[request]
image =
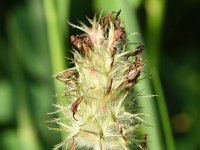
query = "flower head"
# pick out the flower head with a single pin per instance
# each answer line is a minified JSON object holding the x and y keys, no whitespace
{"x":98,"y":115}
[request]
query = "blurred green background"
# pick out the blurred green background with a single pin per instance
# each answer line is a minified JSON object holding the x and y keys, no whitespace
{"x":34,"y":44}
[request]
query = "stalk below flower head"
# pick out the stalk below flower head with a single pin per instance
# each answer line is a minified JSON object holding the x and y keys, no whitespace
{"x":99,"y":115}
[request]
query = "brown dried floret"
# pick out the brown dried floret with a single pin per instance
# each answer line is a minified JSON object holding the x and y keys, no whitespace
{"x":75,"y":105}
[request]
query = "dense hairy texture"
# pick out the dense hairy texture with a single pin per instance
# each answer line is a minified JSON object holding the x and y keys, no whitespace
{"x":100,"y":115}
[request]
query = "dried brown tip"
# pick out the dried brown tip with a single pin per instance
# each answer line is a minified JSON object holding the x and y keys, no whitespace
{"x":107,"y":18}
{"x":133,"y":72}
{"x":109,"y":87}
{"x":82,"y":42}
{"x":120,"y":128}
{"x":118,"y":13}
{"x":144,"y":142}
{"x":72,"y":145}
{"x":65,"y":74}
{"x":75,"y":105}
{"x":119,"y":31}
{"x":138,"y":50}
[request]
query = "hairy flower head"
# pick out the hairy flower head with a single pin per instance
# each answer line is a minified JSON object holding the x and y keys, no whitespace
{"x":99,"y":113}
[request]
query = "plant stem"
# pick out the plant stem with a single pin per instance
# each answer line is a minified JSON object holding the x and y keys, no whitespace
{"x":55,"y":45}
{"x":155,"y":19}
{"x":56,"y":36}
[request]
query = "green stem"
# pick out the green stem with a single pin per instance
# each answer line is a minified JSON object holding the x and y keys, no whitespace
{"x":163,"y":110}
{"x":63,"y":9}
{"x":55,"y":41}
{"x":155,"y":18}
{"x":56,"y":37}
